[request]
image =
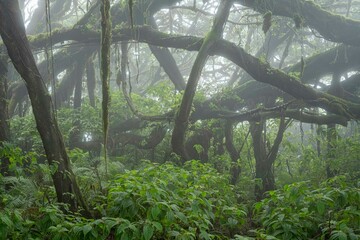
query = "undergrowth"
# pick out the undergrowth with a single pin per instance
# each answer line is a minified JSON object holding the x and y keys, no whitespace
{"x":164,"y":201}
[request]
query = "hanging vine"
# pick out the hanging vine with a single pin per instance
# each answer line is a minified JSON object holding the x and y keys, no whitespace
{"x":50,"y":59}
{"x":105,"y":70}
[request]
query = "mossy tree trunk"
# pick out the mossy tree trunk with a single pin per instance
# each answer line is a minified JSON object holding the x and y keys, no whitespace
{"x":75,"y":135}
{"x":234,"y":154}
{"x":182,"y":117}
{"x":331,"y":138}
{"x":12,"y":31}
{"x":4,"y":117}
{"x":105,"y":69}
{"x":265,"y":156}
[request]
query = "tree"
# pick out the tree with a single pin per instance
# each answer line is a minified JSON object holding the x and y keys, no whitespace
{"x":4,"y":117}
{"x":276,"y":71}
{"x":18,"y":48}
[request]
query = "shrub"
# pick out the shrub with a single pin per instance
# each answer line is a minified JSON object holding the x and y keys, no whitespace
{"x":302,"y":211}
{"x":165,"y":201}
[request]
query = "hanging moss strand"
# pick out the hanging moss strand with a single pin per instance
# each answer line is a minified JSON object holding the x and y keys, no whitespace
{"x":105,"y":70}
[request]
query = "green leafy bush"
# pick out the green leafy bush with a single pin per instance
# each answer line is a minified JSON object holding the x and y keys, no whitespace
{"x":165,"y":201}
{"x":301,"y":211}
{"x":155,"y":202}
{"x":50,"y":222}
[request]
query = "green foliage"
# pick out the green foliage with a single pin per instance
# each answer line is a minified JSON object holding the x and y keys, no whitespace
{"x":24,"y":133}
{"x":194,"y":202}
{"x":17,"y":158}
{"x":154,"y":202}
{"x":50,"y":222}
{"x":346,"y":155}
{"x":302,"y":211}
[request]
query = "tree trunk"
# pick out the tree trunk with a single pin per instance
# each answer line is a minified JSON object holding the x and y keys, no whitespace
{"x":234,"y":154}
{"x":4,"y":117}
{"x":182,"y":116}
{"x":265,"y":159}
{"x":331,"y":138}
{"x":91,"y":82}
{"x":13,"y":34}
{"x":263,"y":168}
{"x":75,"y":134}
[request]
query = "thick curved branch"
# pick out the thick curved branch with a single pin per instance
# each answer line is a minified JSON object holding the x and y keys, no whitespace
{"x":167,"y":62}
{"x":332,"y":27}
{"x":340,"y":59}
{"x":297,"y":114}
{"x":144,"y":142}
{"x":182,"y":117}
{"x":259,"y":70}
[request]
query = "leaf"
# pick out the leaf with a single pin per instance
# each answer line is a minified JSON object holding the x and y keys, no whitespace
{"x":110,"y":223}
{"x":158,"y":226}
{"x":232,"y":221}
{"x":124,"y":236}
{"x":5,"y":219}
{"x":148,"y":231}
{"x":53,"y":217}
{"x":204,"y":235}
{"x":338,"y":235}
{"x":86,"y":229}
{"x":77,"y":229}
{"x":281,"y":217}
{"x":169,"y":216}
{"x":174,"y":233}
{"x":182,"y":217}
{"x":155,"y":211}
{"x":320,"y":206}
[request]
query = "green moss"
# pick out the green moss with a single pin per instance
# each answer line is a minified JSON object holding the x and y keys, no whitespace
{"x":298,"y":20}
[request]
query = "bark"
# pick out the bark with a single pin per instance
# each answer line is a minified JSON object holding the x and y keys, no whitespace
{"x":18,"y":48}
{"x":263,"y":169}
{"x":259,"y":70}
{"x":351,"y":84}
{"x":64,"y":60}
{"x":332,"y":27}
{"x":234,"y":154}
{"x":182,"y":116}
{"x":341,"y":59}
{"x":4,"y":116}
{"x":105,"y":71}
{"x":331,"y":138}
{"x":201,"y":138}
{"x":75,"y":134}
{"x":331,"y":133}
{"x":73,"y":75}
{"x":17,"y":93}
{"x":124,"y":63}
{"x":37,"y":22}
{"x":143,"y":142}
{"x":91,"y":81}
{"x":167,"y":62}
{"x":265,"y":159}
{"x":66,"y":88}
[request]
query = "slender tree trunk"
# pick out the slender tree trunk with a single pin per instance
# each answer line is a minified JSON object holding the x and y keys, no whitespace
{"x":263,"y":168}
{"x":234,"y":154}
{"x":75,"y":134}
{"x":12,"y":31}
{"x":182,"y":116}
{"x":4,"y":116}
{"x":265,"y":159}
{"x":331,"y":137}
{"x":91,"y":81}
